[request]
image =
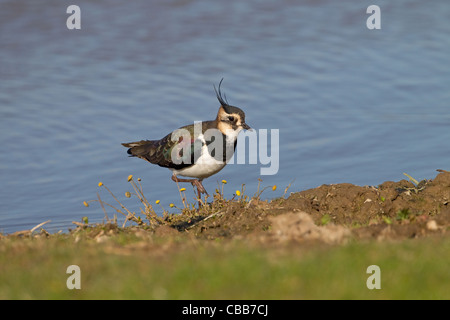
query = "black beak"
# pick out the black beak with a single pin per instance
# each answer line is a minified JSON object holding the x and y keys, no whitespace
{"x":246,"y":126}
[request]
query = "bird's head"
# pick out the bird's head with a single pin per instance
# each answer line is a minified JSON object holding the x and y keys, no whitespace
{"x":229,"y":117}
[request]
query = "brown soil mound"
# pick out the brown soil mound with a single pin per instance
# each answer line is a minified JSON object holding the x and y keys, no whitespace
{"x":335,"y":213}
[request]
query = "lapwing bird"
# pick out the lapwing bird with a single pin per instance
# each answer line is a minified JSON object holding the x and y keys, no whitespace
{"x":198,"y":150}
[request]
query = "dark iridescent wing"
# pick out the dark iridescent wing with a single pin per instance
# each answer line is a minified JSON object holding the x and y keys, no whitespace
{"x":177,"y":150}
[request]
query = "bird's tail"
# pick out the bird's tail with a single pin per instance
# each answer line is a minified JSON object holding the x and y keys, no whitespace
{"x":139,"y":148}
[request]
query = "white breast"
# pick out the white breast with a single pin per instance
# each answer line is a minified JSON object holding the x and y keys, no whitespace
{"x":205,"y":165}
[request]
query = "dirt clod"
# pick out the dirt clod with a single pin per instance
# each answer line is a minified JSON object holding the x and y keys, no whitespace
{"x":299,"y":226}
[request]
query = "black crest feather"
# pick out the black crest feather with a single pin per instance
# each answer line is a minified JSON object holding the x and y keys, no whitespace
{"x":222,"y":99}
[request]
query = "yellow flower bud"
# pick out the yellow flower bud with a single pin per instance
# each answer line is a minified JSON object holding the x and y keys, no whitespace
{"x":183,"y":189}
{"x":171,"y":205}
{"x":157,"y":201}
{"x":86,"y":204}
{"x":130,"y":177}
{"x":224,"y":181}
{"x":238,"y":193}
{"x":128,"y":194}
{"x":100,"y":184}
{"x":274,"y":188}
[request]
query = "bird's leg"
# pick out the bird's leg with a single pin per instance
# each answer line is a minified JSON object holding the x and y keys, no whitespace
{"x":199,"y":197}
{"x":200,"y":189}
{"x":195,"y":182}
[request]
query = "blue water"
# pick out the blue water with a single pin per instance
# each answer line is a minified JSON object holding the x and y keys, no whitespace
{"x":352,"y":104}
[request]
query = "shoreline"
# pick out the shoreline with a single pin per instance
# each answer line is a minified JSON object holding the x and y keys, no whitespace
{"x":403,"y":209}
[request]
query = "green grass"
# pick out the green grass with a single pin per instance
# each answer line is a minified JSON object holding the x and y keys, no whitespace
{"x":36,"y":269}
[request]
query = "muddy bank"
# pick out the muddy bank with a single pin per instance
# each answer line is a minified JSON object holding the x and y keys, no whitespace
{"x":331,"y":214}
{"x":337,"y":213}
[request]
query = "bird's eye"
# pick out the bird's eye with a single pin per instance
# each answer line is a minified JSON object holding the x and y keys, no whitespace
{"x":231,"y":118}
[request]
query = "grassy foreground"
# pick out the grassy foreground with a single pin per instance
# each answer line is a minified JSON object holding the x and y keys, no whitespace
{"x":126,"y":267}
